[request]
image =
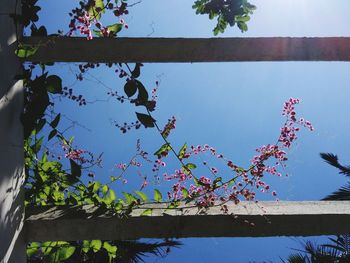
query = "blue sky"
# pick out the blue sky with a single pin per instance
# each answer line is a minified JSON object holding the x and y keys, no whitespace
{"x":235,"y":107}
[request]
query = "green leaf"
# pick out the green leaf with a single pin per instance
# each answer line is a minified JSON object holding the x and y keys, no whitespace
{"x":94,"y":186}
{"x":94,"y":11}
{"x":46,"y":247}
{"x":157,"y":196}
{"x":53,"y":167}
{"x":55,"y":122}
{"x":242,"y":18}
{"x":113,"y":178}
{"x":188,"y":167}
{"x":37,"y":146}
{"x":129,"y":198}
{"x":63,"y":253}
{"x":39,"y":32}
{"x":44,"y":158}
{"x":110,"y":197}
{"x":136,"y":72}
{"x":163,"y":150}
{"x":217,"y":180}
{"x":146,"y":120}
{"x":33,"y":249}
{"x":25,"y":51}
{"x":40,"y":125}
{"x":130,"y":88}
{"x":75,"y":169}
{"x":58,"y":196}
{"x":86,"y":246}
{"x":173,"y":205}
{"x":112,"y":250}
{"x":242,"y":26}
{"x":52,"y":134}
{"x":97,"y":33}
{"x":142,"y":96}
{"x":185,"y":192}
{"x":96,"y":245}
{"x":231,"y":182}
{"x":105,"y":189}
{"x":191,"y":166}
{"x":241,"y":169}
{"x":147,"y":212}
{"x":142,"y":195}
{"x":54,"y":84}
{"x":182,"y":151}
{"x":115,"y":28}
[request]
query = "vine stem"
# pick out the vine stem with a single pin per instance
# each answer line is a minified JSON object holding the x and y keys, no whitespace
{"x":171,"y":147}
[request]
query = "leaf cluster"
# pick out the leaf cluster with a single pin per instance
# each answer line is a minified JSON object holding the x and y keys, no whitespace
{"x":227,"y":13}
{"x":337,"y":251}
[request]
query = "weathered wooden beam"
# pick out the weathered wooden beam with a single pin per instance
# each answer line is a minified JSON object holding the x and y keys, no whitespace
{"x":108,"y":50}
{"x":269,"y":219}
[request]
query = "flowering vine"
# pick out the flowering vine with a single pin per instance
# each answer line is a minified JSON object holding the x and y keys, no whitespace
{"x":50,"y":182}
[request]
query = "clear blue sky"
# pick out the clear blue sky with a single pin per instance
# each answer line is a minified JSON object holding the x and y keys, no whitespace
{"x":233,"y":106}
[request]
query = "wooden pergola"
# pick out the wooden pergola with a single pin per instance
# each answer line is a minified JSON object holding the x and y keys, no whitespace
{"x":76,"y":223}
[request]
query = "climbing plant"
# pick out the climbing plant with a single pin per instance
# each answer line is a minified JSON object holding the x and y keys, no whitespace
{"x":66,"y":176}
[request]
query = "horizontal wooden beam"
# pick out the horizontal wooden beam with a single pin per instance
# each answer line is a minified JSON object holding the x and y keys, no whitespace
{"x":110,"y":50}
{"x":247,"y":219}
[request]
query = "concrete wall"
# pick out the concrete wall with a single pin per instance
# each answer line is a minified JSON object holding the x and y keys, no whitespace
{"x":12,"y":246}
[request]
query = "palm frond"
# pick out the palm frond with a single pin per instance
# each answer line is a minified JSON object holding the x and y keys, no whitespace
{"x":297,"y":258}
{"x":135,"y":251}
{"x":332,"y":159}
{"x":319,"y":253}
{"x":342,"y":194}
{"x":341,"y":243}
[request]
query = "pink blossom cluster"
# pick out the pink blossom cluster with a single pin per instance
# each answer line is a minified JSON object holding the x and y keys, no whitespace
{"x":82,"y":21}
{"x":180,"y":175}
{"x":84,"y":25}
{"x":121,"y":166}
{"x":202,"y":149}
{"x":124,"y":166}
{"x":134,"y":162}
{"x":127,"y":126}
{"x":265,"y":153}
{"x":245,"y":182}
{"x":289,"y":130}
{"x":154,"y":92}
{"x":78,"y":155}
{"x":141,"y":152}
{"x":158,"y":163}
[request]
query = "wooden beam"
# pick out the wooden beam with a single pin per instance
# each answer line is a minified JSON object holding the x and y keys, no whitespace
{"x":109,"y":50}
{"x":269,"y":219}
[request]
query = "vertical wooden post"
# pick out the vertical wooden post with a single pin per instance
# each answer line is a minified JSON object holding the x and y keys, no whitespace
{"x":12,"y":245}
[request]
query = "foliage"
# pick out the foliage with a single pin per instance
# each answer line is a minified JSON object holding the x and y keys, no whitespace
{"x":97,"y":251}
{"x":339,"y":248}
{"x":66,"y":176}
{"x":344,"y":192}
{"x":337,"y":251}
{"x":235,"y":12}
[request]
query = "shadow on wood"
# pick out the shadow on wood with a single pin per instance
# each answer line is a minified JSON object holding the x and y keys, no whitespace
{"x":268,"y":218}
